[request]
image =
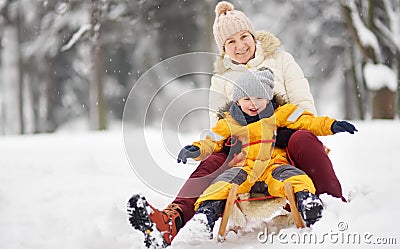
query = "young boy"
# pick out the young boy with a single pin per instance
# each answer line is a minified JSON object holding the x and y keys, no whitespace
{"x":253,"y":121}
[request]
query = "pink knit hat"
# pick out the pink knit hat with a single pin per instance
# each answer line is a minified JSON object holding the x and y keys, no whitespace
{"x":228,"y":22}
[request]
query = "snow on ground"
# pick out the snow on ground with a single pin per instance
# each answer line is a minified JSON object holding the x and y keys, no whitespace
{"x":69,"y":190}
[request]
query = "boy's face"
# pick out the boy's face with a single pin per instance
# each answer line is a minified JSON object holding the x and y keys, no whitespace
{"x":251,"y":105}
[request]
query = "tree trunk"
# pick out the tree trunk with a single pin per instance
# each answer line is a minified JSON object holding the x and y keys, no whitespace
{"x":11,"y":90}
{"x":20,"y":73}
{"x":97,"y":107}
{"x":383,"y":100}
{"x":97,"y":101}
{"x":357,"y":86}
{"x":398,"y":84}
{"x":29,"y":113}
{"x":49,"y":122}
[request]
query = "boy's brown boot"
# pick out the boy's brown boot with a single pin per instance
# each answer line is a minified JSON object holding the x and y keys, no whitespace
{"x":159,"y":227}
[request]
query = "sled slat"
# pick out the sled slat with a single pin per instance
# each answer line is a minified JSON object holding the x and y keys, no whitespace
{"x":227,"y":211}
{"x":292,"y":202}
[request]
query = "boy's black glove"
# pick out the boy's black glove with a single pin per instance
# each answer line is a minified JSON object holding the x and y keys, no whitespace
{"x":189,"y":151}
{"x":343,"y":126}
{"x":232,"y":146}
{"x":283,"y":135}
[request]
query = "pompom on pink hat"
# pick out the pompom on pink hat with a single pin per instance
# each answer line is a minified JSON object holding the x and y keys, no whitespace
{"x":228,"y":22}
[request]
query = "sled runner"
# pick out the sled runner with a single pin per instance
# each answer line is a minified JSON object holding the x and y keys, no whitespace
{"x":240,"y":208}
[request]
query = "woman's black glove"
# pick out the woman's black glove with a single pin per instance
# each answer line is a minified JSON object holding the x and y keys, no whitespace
{"x":343,"y":126}
{"x":189,"y":151}
{"x":283,"y":135}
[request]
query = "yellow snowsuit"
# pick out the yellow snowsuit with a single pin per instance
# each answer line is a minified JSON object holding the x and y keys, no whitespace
{"x":263,"y":162}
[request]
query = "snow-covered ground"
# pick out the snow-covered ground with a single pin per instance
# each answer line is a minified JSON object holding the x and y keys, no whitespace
{"x":69,"y":190}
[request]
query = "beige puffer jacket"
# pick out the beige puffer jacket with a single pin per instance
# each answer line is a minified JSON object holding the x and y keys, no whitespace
{"x":289,"y":78}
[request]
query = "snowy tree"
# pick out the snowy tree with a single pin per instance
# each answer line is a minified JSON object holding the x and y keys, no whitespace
{"x":57,"y":55}
{"x":11,"y":94}
{"x":374,"y":26}
{"x":47,"y":26}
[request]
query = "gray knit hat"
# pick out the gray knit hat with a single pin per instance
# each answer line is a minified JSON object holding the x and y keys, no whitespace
{"x":258,"y":84}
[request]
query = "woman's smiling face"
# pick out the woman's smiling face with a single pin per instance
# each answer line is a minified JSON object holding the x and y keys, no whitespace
{"x":240,"y":47}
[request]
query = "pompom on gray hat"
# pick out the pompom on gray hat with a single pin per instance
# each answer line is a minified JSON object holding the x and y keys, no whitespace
{"x":258,"y":83}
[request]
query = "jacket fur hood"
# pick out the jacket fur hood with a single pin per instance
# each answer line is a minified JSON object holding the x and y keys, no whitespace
{"x":269,"y":44}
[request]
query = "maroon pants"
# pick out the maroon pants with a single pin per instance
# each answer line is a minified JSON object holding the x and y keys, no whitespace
{"x":308,"y":154}
{"x":305,"y":151}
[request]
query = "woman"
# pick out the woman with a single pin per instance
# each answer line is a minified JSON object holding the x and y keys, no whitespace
{"x":241,"y":49}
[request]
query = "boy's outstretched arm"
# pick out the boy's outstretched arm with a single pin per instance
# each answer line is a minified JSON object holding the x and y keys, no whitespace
{"x":293,"y":117}
{"x":343,"y":126}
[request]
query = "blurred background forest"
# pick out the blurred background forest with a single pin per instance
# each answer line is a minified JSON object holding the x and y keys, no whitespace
{"x":68,"y":60}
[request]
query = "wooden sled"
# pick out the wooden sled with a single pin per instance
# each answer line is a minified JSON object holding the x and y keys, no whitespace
{"x":237,"y":208}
